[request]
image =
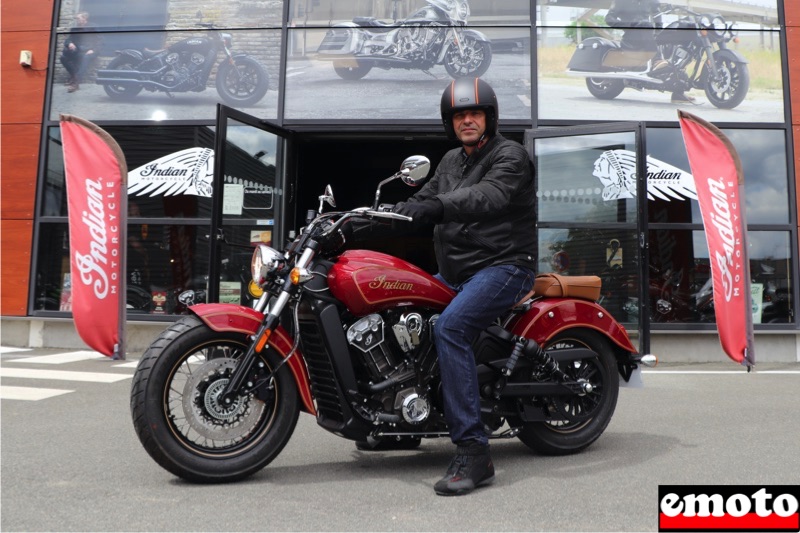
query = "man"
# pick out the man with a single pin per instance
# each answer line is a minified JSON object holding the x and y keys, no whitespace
{"x":482,"y":200}
{"x":80,"y":49}
{"x":636,"y":18}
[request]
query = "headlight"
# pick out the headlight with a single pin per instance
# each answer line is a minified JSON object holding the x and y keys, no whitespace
{"x":705,"y":22}
{"x":463,"y":11}
{"x":719,"y":26}
{"x":227,"y":38}
{"x":265,"y":261}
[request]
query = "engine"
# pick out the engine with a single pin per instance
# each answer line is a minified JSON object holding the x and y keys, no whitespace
{"x":396,"y":354}
{"x":182,"y":67}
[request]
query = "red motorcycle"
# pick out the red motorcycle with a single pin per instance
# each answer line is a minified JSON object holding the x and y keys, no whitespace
{"x":347,"y":338}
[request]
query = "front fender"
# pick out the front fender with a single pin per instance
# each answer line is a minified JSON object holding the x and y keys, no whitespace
{"x":241,"y":319}
{"x":477,"y":35}
{"x":727,"y":53}
{"x":549,"y":316}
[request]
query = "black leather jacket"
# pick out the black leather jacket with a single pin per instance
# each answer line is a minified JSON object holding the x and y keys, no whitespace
{"x":489,"y":204}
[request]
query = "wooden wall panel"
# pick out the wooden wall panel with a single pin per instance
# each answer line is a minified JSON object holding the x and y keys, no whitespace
{"x":24,"y":15}
{"x":23,"y":88}
{"x":19,"y":144}
{"x":16,"y":237}
{"x":793,"y":43}
{"x":791,"y":10}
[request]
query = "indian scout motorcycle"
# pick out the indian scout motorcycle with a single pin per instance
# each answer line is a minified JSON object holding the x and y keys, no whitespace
{"x":695,"y":55}
{"x":432,"y":35}
{"x":186,"y":67}
{"x":217,"y":395}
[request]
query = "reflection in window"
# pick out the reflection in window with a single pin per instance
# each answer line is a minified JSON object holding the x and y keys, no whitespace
{"x":184,"y":80}
{"x":609,"y":254}
{"x":162,"y":262}
{"x":587,"y":178}
{"x":152,"y":150}
{"x":763,"y":156}
{"x":680,"y":277}
{"x":402,"y":77}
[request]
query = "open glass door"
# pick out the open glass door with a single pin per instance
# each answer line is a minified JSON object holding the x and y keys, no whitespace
{"x":592,"y":214}
{"x":250,"y":172}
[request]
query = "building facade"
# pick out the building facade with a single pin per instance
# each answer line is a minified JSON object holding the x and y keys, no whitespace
{"x":339,"y":93}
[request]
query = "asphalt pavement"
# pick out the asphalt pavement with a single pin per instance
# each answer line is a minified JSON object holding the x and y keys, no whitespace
{"x":71,"y":461}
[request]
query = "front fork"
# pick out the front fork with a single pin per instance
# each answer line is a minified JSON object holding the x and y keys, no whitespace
{"x":235,"y":388}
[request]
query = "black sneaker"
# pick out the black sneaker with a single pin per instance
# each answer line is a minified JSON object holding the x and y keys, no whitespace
{"x":471,"y":467}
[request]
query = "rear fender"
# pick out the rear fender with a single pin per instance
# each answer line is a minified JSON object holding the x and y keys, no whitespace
{"x":240,"y":319}
{"x":548,"y":317}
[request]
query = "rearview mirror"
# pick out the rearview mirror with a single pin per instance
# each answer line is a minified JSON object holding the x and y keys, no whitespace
{"x":415,"y":169}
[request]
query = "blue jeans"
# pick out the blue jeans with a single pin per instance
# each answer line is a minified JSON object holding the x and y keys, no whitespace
{"x":478,"y":302}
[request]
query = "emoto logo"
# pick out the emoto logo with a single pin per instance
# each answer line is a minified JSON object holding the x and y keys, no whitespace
{"x":728,"y":508}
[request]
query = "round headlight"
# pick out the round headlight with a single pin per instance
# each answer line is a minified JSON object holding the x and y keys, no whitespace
{"x":463,"y":11}
{"x":705,"y":22}
{"x":265,"y":260}
{"x":719,"y":26}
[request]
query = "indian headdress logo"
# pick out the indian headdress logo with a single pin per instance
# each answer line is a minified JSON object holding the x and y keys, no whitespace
{"x":616,"y":170}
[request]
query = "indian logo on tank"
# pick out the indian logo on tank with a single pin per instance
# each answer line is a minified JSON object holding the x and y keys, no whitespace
{"x":381,"y":282}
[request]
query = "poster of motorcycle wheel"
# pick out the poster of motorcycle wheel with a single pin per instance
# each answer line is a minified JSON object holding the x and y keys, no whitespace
{"x":723,"y":55}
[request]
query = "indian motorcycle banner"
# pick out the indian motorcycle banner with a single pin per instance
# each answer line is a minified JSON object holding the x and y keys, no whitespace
{"x":96,"y":200}
{"x":719,"y":180}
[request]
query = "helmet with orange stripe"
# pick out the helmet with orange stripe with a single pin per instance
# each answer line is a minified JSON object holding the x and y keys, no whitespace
{"x":469,"y":93}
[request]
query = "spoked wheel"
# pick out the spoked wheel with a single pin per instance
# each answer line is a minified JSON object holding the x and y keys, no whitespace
{"x":605,"y":88}
{"x":242,"y":81}
{"x":578,"y":420}
{"x":182,"y":421}
{"x":474,"y":61}
{"x":730,"y":87}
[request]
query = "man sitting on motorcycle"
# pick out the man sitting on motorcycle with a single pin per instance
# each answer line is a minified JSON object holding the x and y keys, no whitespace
{"x":482,"y":201}
{"x":636,"y":18}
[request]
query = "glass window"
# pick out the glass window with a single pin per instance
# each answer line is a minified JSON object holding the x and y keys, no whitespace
{"x":763,"y":13}
{"x":178,"y":75}
{"x":608,"y":253}
{"x":160,"y":185}
{"x":680,"y":277}
{"x":162,"y":262}
{"x":593,"y":183}
{"x":599,"y":73}
{"x":164,"y":14}
{"x":401,"y":74}
{"x":763,"y":156}
{"x":395,"y":13}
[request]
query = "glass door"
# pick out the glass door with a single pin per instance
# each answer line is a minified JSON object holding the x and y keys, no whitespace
{"x":591,"y":217}
{"x":250,"y":170}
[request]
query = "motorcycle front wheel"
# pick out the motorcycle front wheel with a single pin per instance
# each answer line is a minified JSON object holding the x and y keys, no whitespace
{"x":473,"y":62}
{"x":730,"y":88}
{"x":352,"y":70}
{"x":605,"y":88}
{"x":578,"y":420}
{"x":242,"y":81}
{"x":122,"y":90}
{"x":179,"y":416}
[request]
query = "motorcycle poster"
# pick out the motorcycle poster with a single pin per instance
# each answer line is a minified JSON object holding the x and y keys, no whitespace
{"x":722,"y":58}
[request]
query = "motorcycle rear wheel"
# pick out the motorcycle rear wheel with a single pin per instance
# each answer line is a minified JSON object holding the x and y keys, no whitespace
{"x":593,"y":411}
{"x":243,"y":83}
{"x":605,"y":88}
{"x":474,"y":62}
{"x":122,"y":91}
{"x":178,"y":416}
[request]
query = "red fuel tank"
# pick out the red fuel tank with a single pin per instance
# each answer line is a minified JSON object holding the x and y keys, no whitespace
{"x":368,"y":281}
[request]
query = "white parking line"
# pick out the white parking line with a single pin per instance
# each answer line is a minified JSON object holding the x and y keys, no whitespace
{"x":29,"y":393}
{"x":731,"y":372}
{"x":62,"y":375}
{"x":9,"y":349}
{"x":59,"y":358}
